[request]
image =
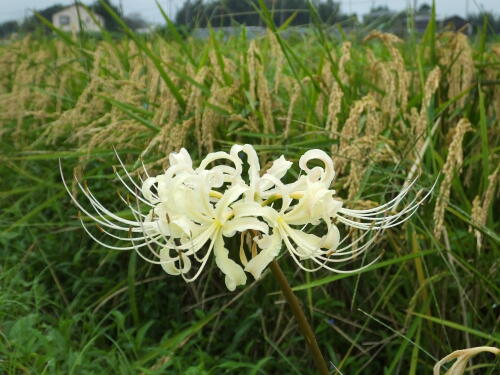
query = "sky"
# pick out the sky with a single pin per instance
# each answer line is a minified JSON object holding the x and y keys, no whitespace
{"x":18,"y":9}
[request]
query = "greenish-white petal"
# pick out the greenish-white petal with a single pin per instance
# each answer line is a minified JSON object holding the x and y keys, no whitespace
{"x":270,"y":246}
{"x":233,"y":271}
{"x":242,"y":224}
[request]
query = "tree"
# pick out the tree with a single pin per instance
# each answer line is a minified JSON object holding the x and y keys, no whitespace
{"x":135,"y":21}
{"x":328,"y":11}
{"x":228,"y":12}
{"x":424,"y":9}
{"x":493,"y":23}
{"x":378,"y":15}
{"x":189,"y":12}
{"x":109,"y":21}
{"x":8,"y":28}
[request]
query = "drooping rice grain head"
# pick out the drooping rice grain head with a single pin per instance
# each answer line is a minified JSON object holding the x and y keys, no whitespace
{"x":279,"y":61}
{"x":212,"y":118}
{"x":419,"y":122}
{"x":384,"y":77}
{"x":350,"y":131}
{"x":392,"y":76}
{"x":452,"y":165}
{"x":374,"y":124}
{"x":88,"y":107}
{"x":334,"y":107}
{"x":492,"y":75}
{"x":476,"y":216}
{"x":344,"y":60}
{"x":359,"y":153}
{"x":265,"y":100}
{"x":480,"y":207}
{"x":457,"y":59}
{"x":252,"y":63}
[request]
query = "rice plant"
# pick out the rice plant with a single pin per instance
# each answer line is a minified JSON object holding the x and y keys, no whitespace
{"x":387,"y":111}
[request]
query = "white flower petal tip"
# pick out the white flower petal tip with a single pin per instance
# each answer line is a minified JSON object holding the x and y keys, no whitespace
{"x":182,"y":216}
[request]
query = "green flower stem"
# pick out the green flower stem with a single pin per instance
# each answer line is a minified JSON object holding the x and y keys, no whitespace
{"x":304,"y":325}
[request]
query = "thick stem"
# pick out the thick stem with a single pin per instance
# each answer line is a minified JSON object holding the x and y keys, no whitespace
{"x":304,"y":325}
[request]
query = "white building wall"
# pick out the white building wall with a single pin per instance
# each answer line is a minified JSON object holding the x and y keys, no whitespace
{"x":67,"y":19}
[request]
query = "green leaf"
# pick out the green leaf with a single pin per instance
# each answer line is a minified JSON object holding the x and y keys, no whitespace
{"x":390,"y":262}
{"x":131,"y":111}
{"x":447,"y":323}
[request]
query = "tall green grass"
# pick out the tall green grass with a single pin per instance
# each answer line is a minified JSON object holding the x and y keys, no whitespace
{"x":69,"y":306}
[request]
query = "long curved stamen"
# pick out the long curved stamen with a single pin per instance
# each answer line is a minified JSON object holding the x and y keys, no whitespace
{"x":190,"y":209}
{"x":86,"y":212}
{"x":292,"y":252}
{"x":137,"y":187}
{"x":346,"y":237}
{"x":127,"y":203}
{"x":95,"y":203}
{"x":356,"y":252}
{"x":135,"y":194}
{"x":129,"y":239}
{"x":383,"y":222}
{"x":202,"y":265}
{"x":386,"y":206}
{"x":336,"y":270}
{"x":162,"y":245}
{"x":111,"y":246}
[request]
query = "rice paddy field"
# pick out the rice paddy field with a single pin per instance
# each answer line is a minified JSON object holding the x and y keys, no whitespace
{"x":386,"y":109}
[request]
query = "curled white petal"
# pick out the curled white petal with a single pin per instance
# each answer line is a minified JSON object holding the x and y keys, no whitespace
{"x":327,"y":173}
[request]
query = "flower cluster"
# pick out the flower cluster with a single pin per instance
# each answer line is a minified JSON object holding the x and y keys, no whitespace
{"x":191,"y":211}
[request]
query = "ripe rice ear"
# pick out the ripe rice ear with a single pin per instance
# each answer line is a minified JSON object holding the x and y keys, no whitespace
{"x":393,"y":76}
{"x":419,"y":122}
{"x":334,"y":107}
{"x":453,"y":164}
{"x":344,"y":61}
{"x":279,"y":60}
{"x":457,"y":58}
{"x":350,"y":131}
{"x":480,"y":208}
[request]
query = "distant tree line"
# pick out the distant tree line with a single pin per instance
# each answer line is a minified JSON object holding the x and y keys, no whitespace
{"x":384,"y":17}
{"x":220,"y":13}
{"x":492,"y":22}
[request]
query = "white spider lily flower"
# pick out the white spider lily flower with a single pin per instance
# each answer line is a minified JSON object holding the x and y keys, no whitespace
{"x":185,"y":214}
{"x":209,"y":222}
{"x":191,"y":210}
{"x":316,"y":204}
